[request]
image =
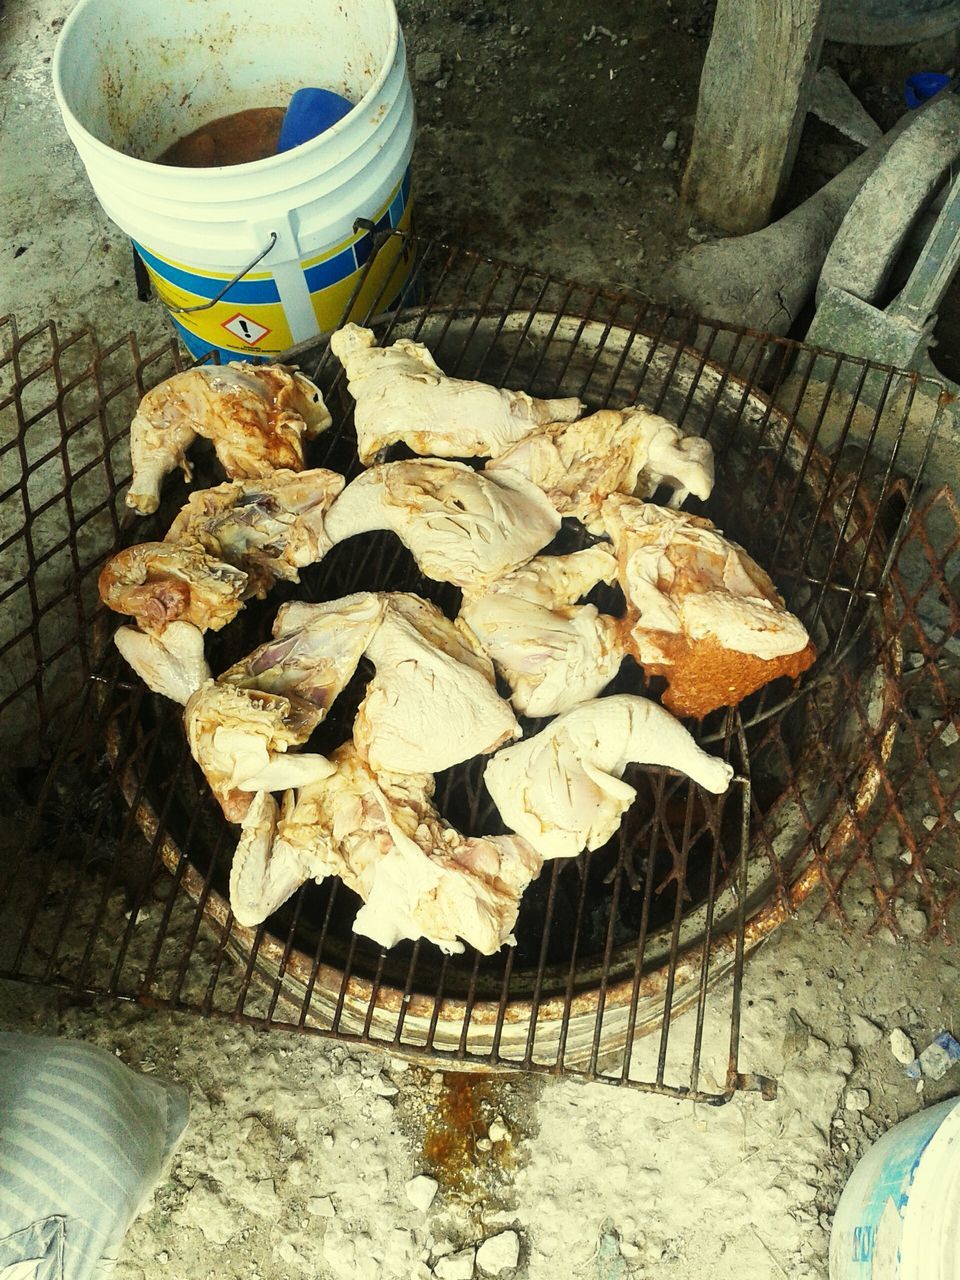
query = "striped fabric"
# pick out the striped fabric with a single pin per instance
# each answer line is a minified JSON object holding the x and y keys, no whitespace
{"x":83,"y":1142}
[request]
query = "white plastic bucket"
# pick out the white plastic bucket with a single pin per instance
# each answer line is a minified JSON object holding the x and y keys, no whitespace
{"x":899,"y":1214}
{"x":132,"y":77}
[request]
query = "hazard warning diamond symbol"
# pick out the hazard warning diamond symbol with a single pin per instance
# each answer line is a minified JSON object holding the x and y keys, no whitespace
{"x":247,"y":330}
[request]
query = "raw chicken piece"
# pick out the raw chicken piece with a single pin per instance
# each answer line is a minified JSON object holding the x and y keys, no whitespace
{"x":265,"y":872}
{"x":702,"y":613}
{"x":433,"y":702}
{"x":172,"y":664}
{"x":240,"y":738}
{"x":462,"y":526}
{"x":562,"y":789}
{"x":552,"y":652}
{"x":315,"y":650}
{"x":255,"y":415}
{"x":158,"y":584}
{"x":630,"y":451}
{"x":417,"y":875}
{"x":270,"y":528}
{"x":402,"y":394}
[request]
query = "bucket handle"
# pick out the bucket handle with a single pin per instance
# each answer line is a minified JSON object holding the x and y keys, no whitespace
{"x":205,"y":306}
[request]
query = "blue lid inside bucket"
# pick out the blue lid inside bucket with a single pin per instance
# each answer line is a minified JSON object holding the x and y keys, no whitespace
{"x":311,"y":112}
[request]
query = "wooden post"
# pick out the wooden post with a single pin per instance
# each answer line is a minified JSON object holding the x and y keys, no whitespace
{"x":754,"y":94}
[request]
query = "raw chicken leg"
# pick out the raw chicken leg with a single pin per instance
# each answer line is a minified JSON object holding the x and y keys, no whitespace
{"x":552,"y":652}
{"x":158,"y":584}
{"x":241,"y":738}
{"x":255,"y":415}
{"x":315,"y":650}
{"x":462,"y":526}
{"x":270,"y":528}
{"x":433,"y":702}
{"x":417,"y":875}
{"x":630,"y":451}
{"x":172,"y":664}
{"x":702,"y":613}
{"x":402,"y":394}
{"x":562,"y":789}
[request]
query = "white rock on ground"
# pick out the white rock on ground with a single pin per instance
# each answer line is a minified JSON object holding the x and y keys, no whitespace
{"x":857,"y":1099}
{"x":901,"y":1046}
{"x":865,"y":1032}
{"x":455,"y":1266}
{"x":420,"y":1191}
{"x":499,"y":1253}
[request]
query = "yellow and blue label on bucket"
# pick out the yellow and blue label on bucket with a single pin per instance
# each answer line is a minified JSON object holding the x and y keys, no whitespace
{"x":249,"y":322}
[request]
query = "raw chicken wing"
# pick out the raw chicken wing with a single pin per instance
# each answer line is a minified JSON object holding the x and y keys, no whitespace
{"x":270,"y":528}
{"x":265,"y":872}
{"x":562,"y":790}
{"x":158,"y":584}
{"x":255,"y":415}
{"x":402,"y":394}
{"x":241,"y":739}
{"x":172,"y":664}
{"x":629,"y":451}
{"x":432,"y":703}
{"x":552,"y":652}
{"x":462,"y":526}
{"x":702,"y":613}
{"x":315,"y":649}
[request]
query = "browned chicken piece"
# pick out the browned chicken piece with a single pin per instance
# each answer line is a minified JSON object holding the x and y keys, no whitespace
{"x":158,"y":584}
{"x":244,"y":740}
{"x":270,"y":528}
{"x":701,"y":612}
{"x":255,"y":415}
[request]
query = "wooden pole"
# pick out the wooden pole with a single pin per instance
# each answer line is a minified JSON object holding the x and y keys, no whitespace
{"x":754,"y":94}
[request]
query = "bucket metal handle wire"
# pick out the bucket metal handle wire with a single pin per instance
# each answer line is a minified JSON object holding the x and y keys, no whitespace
{"x":205,"y":306}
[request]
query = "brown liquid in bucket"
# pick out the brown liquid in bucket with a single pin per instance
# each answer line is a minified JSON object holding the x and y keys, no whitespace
{"x":234,"y":139}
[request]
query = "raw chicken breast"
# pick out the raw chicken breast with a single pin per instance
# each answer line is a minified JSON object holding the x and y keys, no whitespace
{"x":402,"y":394}
{"x":629,"y":451}
{"x":255,"y":415}
{"x":315,"y":649}
{"x":418,"y":877}
{"x":702,"y":613}
{"x":241,"y":739}
{"x":552,"y":652}
{"x":562,"y":790}
{"x":172,"y":664}
{"x":462,"y":526}
{"x":158,"y":584}
{"x":432,"y":703}
{"x":270,"y":528}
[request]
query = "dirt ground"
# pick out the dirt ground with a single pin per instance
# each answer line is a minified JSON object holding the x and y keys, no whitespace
{"x":554,"y":135}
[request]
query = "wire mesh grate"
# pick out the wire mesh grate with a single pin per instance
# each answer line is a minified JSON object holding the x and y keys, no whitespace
{"x":118,"y":883}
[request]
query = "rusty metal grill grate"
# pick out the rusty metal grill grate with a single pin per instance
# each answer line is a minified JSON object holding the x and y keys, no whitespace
{"x":845,"y":788}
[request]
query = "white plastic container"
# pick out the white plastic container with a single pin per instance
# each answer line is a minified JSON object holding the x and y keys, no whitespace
{"x":899,"y":1215}
{"x":131,"y":78}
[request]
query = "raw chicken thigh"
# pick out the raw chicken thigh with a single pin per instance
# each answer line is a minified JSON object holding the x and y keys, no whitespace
{"x":255,"y":415}
{"x":562,"y":790}
{"x":315,"y":649}
{"x":270,"y":528}
{"x":158,"y":584}
{"x":552,"y":652}
{"x":702,"y":613}
{"x":432,"y":703}
{"x":402,"y":394}
{"x":241,"y":739}
{"x":462,"y":526}
{"x":172,"y":664}
{"x":630,"y":451}
{"x":418,"y":876}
